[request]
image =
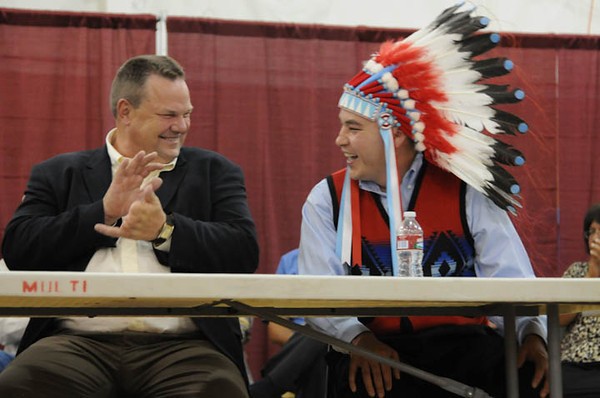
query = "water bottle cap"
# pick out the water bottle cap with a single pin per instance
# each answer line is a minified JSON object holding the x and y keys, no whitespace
{"x":412,"y":214}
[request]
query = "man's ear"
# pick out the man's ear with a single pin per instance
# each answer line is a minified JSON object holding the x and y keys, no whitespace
{"x":399,"y":137}
{"x":124,"y":109}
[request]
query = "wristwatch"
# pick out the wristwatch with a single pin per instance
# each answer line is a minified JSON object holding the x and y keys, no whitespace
{"x":166,"y":231}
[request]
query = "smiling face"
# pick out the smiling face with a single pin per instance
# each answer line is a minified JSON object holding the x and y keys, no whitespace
{"x":362,"y":145}
{"x":159,"y":124}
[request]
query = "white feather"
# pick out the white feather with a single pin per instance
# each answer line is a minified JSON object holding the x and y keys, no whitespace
{"x":477,"y":177}
{"x":457,"y":79}
{"x":439,"y":46}
{"x":474,"y":145}
{"x":418,"y":35}
{"x":476,"y":118}
{"x":468,"y":100}
{"x":452,"y":60}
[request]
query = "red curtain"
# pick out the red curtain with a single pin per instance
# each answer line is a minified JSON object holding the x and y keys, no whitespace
{"x":55,"y":75}
{"x":265,"y":95}
{"x":578,"y":145}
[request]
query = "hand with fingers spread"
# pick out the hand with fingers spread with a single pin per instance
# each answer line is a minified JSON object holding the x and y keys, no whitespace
{"x":534,"y":349}
{"x":126,"y":185}
{"x":377,"y":377}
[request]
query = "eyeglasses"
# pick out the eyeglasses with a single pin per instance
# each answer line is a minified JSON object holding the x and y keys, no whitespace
{"x":591,"y":232}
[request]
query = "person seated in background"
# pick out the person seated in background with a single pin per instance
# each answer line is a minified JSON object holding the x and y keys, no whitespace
{"x":580,"y":345}
{"x":299,"y":367}
{"x":5,"y":357}
{"x":141,"y":203}
{"x":11,"y":331}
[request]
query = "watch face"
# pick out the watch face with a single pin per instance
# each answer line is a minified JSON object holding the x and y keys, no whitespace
{"x":165,"y":232}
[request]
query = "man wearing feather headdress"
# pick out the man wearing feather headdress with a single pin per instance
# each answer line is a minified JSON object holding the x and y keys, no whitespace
{"x":418,"y":133}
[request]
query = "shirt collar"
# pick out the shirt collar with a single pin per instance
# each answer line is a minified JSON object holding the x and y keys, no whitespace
{"x":407,"y":181}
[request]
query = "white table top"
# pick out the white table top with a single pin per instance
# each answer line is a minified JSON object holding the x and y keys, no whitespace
{"x":91,"y":290}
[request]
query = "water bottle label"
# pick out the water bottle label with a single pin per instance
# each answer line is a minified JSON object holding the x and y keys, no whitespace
{"x":409,"y":242}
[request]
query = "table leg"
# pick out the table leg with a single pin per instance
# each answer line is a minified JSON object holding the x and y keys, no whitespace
{"x":510,"y":352}
{"x":554,"y":370}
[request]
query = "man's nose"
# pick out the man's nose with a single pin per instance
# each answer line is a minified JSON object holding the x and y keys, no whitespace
{"x":341,"y":138}
{"x":180,"y":124}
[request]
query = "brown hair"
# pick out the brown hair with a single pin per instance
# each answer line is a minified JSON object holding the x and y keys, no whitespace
{"x":132,"y":75}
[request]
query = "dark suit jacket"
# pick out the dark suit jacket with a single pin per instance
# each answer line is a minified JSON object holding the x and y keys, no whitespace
{"x":53,"y":228}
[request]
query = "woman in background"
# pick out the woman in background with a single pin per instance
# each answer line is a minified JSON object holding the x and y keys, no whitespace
{"x":580,"y":346}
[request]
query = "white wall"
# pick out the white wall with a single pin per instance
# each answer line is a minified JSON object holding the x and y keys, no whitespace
{"x":533,"y":16}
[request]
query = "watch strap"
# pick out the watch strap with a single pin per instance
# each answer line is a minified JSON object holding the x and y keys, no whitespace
{"x":165,"y":233}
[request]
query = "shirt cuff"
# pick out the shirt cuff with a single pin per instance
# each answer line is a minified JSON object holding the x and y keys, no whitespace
{"x":350,"y":334}
{"x":535,"y":326}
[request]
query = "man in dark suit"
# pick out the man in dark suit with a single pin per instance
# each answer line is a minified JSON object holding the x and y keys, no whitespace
{"x":107,"y":210}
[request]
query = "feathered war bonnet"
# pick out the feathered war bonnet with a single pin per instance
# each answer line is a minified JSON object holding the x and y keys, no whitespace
{"x":430,"y":87}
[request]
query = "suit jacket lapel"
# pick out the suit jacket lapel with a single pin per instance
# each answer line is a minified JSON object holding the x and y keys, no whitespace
{"x":97,"y":175}
{"x":171,"y":180}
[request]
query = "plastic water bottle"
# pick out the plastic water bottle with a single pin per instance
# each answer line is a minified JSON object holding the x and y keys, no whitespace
{"x":410,"y":246}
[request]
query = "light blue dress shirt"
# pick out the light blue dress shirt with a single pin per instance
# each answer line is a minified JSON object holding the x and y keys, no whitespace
{"x":288,"y":265}
{"x":499,"y":250}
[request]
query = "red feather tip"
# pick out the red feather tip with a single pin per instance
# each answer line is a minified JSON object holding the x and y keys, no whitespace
{"x":383,"y":95}
{"x":372,"y":87}
{"x":396,"y":110}
{"x":359,"y":77}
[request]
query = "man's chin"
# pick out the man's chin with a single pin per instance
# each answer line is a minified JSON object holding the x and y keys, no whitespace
{"x":354,"y":175}
{"x":167,"y":157}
